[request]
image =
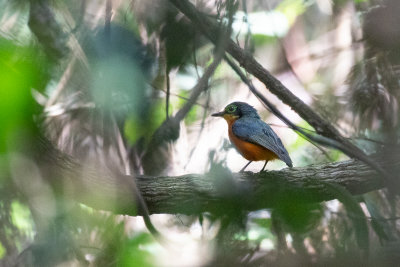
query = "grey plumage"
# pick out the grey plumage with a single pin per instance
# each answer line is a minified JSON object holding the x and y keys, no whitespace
{"x":251,"y":128}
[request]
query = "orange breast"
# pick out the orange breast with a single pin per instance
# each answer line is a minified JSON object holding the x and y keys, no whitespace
{"x":248,"y":150}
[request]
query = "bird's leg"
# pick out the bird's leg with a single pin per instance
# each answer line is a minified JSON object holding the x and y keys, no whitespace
{"x":264,"y":165}
{"x":242,"y":170}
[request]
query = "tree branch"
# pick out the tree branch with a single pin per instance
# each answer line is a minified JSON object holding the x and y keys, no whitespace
{"x":44,"y":26}
{"x":351,"y":151}
{"x":217,"y":191}
{"x":153,"y":162}
{"x":194,"y":194}
{"x":210,"y":29}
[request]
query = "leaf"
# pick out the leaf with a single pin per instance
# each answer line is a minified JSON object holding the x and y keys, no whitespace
{"x":380,"y":227}
{"x":19,"y":74}
{"x":180,"y":40}
{"x":133,"y":251}
{"x":292,"y":8}
{"x":298,"y":217}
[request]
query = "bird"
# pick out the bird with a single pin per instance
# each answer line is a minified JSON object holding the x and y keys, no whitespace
{"x":253,"y":138}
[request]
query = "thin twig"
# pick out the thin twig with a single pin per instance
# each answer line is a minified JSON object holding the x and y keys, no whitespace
{"x":329,"y":136}
{"x":183,"y":98}
{"x":349,"y":138}
{"x":201,"y":86}
{"x":203,"y":120}
{"x":167,"y":93}
{"x":341,"y":214}
{"x":169,"y":129}
{"x":315,"y":138}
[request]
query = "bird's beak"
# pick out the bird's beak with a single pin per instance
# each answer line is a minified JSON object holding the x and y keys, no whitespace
{"x":218,"y":114}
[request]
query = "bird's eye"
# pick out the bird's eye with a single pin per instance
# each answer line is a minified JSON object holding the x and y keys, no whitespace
{"x":231,"y":109}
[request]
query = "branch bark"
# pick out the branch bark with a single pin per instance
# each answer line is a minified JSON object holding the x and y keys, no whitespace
{"x":214,"y":192}
{"x":218,"y":191}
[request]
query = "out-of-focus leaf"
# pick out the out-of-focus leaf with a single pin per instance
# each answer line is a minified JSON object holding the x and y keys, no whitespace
{"x":120,"y":69}
{"x":192,"y":115}
{"x":298,"y":217}
{"x":263,"y":228}
{"x":121,"y":42}
{"x":266,"y":223}
{"x":235,"y":194}
{"x":181,"y":40}
{"x":356,"y":215}
{"x":381,"y":227}
{"x":132,"y":253}
{"x":118,"y":85}
{"x":300,"y":142}
{"x":19,"y":73}
{"x":137,"y":126}
{"x":2,"y":251}
{"x":21,"y":218}
{"x":125,"y":17}
{"x":260,"y":39}
{"x":292,"y":9}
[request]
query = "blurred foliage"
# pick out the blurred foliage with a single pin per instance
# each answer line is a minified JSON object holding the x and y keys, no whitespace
{"x":292,"y":8}
{"x":135,"y":128}
{"x":179,"y":41}
{"x":21,"y":218}
{"x":260,"y":39}
{"x":19,"y":74}
{"x":104,"y":99}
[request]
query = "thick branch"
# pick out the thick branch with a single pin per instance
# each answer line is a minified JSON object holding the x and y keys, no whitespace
{"x":217,"y":191}
{"x":193,"y":194}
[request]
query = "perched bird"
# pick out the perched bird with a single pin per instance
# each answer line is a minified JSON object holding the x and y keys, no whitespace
{"x":251,"y":136}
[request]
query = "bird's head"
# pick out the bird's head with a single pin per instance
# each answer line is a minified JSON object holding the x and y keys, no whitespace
{"x":236,"y":110}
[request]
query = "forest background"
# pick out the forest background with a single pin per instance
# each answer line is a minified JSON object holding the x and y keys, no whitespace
{"x":105,"y":119}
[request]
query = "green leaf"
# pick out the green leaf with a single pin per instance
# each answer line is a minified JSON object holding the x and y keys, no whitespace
{"x":262,"y":39}
{"x":2,"y":251}
{"x":298,"y":217}
{"x":381,"y":227}
{"x":292,"y":9}
{"x":144,"y":125}
{"x":19,"y":73}
{"x":133,"y":254}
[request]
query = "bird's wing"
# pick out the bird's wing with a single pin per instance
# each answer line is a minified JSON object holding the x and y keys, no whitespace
{"x":256,"y":131}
